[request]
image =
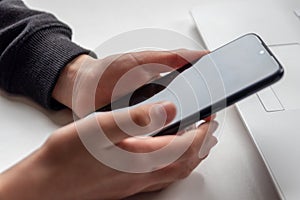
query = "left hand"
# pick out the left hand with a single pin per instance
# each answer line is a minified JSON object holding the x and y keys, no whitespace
{"x":64,"y":168}
{"x":87,"y":84}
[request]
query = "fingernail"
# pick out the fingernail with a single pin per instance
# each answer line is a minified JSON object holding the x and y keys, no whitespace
{"x":163,"y":110}
{"x":158,"y":109}
{"x":207,"y":145}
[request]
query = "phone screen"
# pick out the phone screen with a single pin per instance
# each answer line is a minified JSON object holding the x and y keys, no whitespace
{"x":215,"y":81}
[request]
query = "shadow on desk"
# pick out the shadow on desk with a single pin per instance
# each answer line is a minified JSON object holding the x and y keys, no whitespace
{"x":192,"y":188}
{"x":14,"y":102}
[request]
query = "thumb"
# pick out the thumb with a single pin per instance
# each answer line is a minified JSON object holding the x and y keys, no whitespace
{"x":136,"y":121}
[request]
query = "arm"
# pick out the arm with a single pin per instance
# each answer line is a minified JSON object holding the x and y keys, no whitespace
{"x":34,"y":48}
{"x":39,"y":60}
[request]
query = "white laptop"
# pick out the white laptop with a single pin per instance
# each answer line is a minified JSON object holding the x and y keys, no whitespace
{"x":273,"y":115}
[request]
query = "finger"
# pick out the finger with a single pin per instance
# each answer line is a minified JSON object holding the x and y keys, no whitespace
{"x":207,"y":145}
{"x":193,"y":126}
{"x":137,"y":121}
{"x":191,"y":55}
{"x":204,"y":139}
{"x":182,"y":166}
{"x":198,"y":136}
{"x":150,"y":144}
{"x":191,"y":158}
{"x":171,"y":59}
{"x":204,"y":133}
{"x":145,"y":145}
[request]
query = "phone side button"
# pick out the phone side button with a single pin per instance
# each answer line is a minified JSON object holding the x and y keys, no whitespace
{"x":269,"y":100}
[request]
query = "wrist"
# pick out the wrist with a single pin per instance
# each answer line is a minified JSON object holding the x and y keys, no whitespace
{"x":63,"y":90}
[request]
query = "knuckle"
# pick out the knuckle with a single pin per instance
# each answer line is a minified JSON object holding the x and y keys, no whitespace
{"x":179,"y":170}
{"x":178,"y":60}
{"x":175,"y":56}
{"x":185,"y":172}
{"x":134,"y":57}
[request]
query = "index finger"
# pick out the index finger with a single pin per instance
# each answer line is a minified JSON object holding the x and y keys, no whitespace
{"x":171,"y":59}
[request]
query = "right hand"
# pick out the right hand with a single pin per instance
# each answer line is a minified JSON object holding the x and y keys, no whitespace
{"x":87,"y":83}
{"x":64,"y":169}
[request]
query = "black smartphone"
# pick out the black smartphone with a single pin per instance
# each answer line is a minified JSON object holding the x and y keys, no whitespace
{"x":215,"y":81}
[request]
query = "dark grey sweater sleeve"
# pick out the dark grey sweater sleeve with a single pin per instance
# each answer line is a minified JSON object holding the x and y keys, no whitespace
{"x":34,"y":48}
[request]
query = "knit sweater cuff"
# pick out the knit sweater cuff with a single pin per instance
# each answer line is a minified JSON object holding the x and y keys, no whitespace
{"x":44,"y":55}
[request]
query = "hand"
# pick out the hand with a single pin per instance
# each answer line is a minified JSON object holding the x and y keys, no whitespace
{"x":87,"y":84}
{"x":64,"y":169}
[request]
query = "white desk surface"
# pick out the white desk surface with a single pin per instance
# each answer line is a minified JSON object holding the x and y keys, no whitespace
{"x":233,"y":170}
